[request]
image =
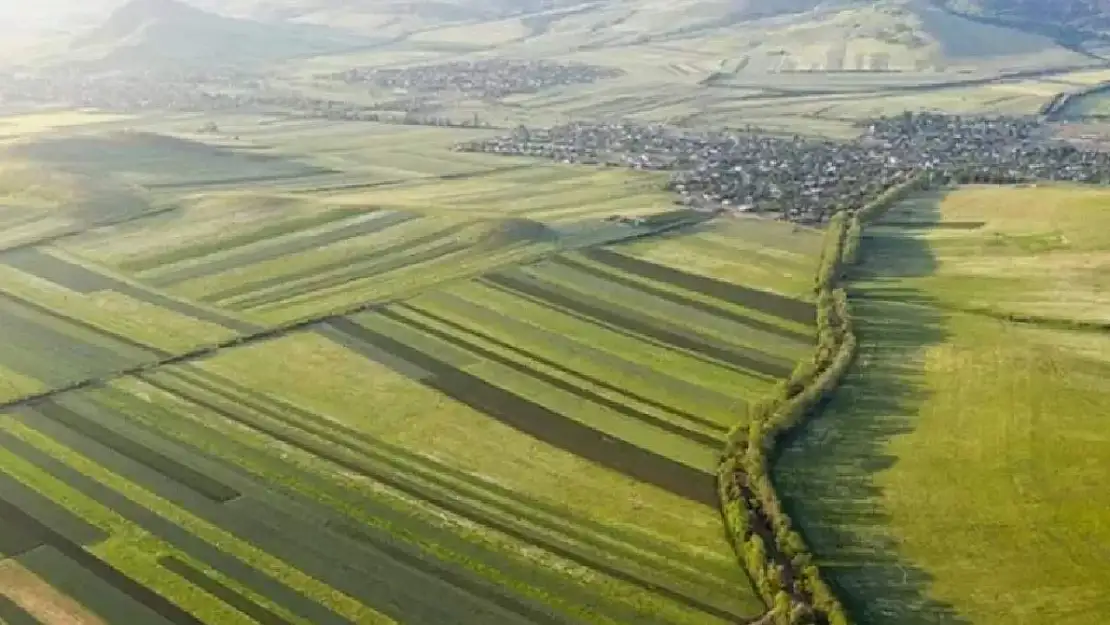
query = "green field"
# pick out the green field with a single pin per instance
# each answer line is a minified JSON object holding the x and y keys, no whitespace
{"x":959,"y":474}
{"x":324,"y":403}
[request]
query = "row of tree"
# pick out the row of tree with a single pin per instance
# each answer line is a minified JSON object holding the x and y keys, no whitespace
{"x":770,"y":549}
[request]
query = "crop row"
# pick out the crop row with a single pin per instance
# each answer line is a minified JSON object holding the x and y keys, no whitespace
{"x":157,"y":474}
{"x":366,"y":456}
{"x":269,"y":249}
{"x":766,"y":301}
{"x":69,"y":274}
{"x":542,"y":423}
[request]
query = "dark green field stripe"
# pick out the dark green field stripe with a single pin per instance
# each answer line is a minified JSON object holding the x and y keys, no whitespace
{"x":16,"y":540}
{"x":261,"y":615}
{"x":40,"y":351}
{"x":316,"y":270}
{"x":12,"y":614}
{"x":85,"y":281}
{"x":675,"y":298}
{"x":745,"y":360}
{"x":555,"y":382}
{"x":765,"y":301}
{"x":52,"y":515}
{"x":136,"y":591}
{"x":341,"y":437}
{"x":197,"y":548}
{"x":164,"y":465}
{"x":269,"y":231}
{"x":546,"y":425}
{"x":353,"y":275}
{"x":85,"y":325}
{"x":471,"y":584}
{"x":288,"y":248}
{"x":567,"y":370}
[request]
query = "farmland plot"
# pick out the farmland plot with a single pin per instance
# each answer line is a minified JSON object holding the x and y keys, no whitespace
{"x":435,"y":387}
{"x":964,"y":461}
{"x":757,"y":253}
{"x":503,"y":528}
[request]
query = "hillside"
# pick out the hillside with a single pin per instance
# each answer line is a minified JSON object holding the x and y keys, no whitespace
{"x":1071,"y":21}
{"x":161,"y":34}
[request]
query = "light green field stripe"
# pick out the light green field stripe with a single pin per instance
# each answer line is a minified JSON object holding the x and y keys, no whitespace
{"x":572,"y":407}
{"x":576,"y":381}
{"x":663,"y":358}
{"x":260,"y":297}
{"x":585,"y":356}
{"x":396,"y":285}
{"x":14,"y":385}
{"x":138,"y":265}
{"x":720,"y":330}
{"x":301,"y":259}
{"x":61,"y":326}
{"x":116,"y":314}
{"x":275,"y":244}
{"x":340,"y":603}
{"x":412,"y":521}
{"x":700,"y":297}
{"x":140,"y":287}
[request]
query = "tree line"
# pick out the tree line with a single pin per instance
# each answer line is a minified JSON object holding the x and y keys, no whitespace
{"x":774,"y":554}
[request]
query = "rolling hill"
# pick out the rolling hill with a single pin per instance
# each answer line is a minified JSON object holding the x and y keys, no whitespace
{"x":161,"y":34}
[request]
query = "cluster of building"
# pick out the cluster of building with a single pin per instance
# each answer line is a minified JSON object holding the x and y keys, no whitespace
{"x":806,"y":180}
{"x":484,"y":79}
{"x":206,"y":93}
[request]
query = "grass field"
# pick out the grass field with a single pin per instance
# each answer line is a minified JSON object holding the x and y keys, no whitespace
{"x":326,"y":400}
{"x":969,"y":452}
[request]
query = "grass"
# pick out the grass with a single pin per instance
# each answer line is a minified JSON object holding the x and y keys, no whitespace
{"x":115,"y":313}
{"x":1039,"y":251}
{"x":462,"y":436}
{"x":969,"y":452}
{"x":758,"y":253}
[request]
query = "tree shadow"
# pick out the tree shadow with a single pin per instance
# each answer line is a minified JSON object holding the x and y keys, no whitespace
{"x":828,"y":473}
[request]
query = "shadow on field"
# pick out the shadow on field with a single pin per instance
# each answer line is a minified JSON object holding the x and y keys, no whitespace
{"x":829,"y":474}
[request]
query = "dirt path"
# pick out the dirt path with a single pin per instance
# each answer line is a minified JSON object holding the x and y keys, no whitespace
{"x":41,"y":601}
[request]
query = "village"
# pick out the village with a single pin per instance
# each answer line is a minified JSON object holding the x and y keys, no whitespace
{"x":806,"y":180}
{"x":489,"y":79}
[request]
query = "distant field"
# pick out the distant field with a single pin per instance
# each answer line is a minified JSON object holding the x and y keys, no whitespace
{"x":969,"y":453}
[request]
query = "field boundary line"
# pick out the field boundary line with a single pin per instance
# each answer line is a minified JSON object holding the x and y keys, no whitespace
{"x":774,"y":554}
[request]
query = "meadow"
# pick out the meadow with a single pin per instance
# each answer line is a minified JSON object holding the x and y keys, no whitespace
{"x":321,"y":401}
{"x":968,"y":444}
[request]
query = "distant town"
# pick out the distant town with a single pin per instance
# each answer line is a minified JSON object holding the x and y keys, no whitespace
{"x":807,"y":180}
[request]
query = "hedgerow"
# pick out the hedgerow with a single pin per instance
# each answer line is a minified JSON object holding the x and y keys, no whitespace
{"x":775,"y":555}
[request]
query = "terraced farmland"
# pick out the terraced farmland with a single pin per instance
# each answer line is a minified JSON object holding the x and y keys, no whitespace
{"x":328,"y":406}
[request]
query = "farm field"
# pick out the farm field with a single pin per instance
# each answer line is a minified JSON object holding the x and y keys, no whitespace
{"x":768,"y":255}
{"x":966,"y":446}
{"x":286,"y":404}
{"x":487,"y":468}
